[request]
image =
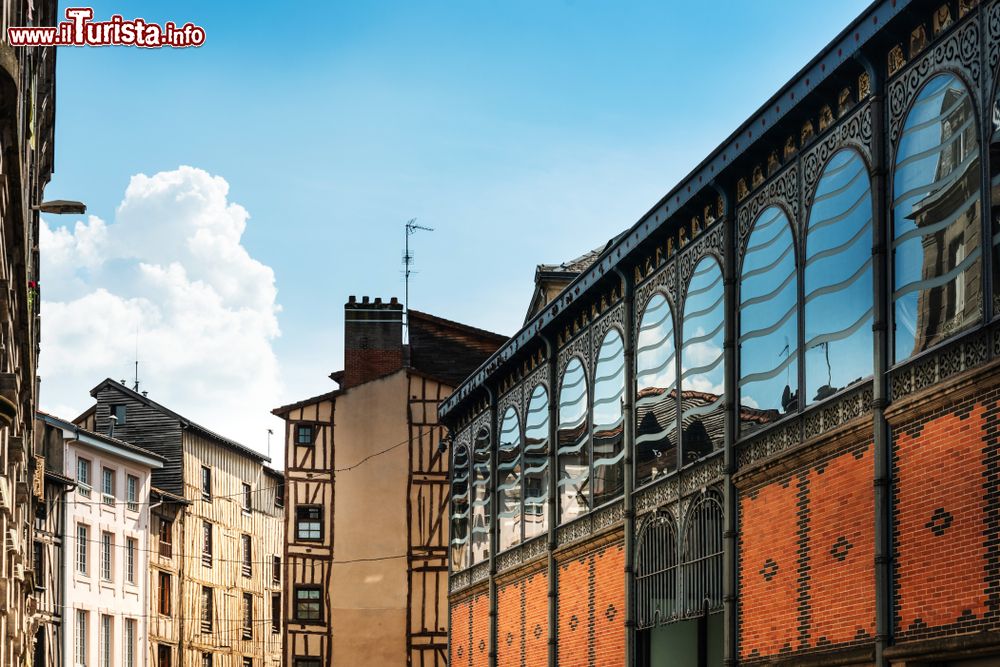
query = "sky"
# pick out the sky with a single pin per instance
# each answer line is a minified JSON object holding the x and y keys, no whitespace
{"x":239,"y":192}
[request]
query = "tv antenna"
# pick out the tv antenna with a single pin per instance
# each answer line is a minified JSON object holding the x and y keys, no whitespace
{"x":135,"y":383}
{"x":411,"y":229}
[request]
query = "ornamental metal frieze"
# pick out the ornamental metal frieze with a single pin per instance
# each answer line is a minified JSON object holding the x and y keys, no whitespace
{"x":709,"y":242}
{"x":657,"y":495}
{"x":782,"y":189}
{"x":769,"y":443}
{"x":480,"y":422}
{"x":614,"y":317}
{"x":960,"y":356}
{"x":702,"y":475}
{"x":464,"y":437}
{"x":511,"y":398}
{"x":844,"y":409}
{"x":539,"y":376}
{"x":574,"y":530}
{"x":458,"y":581}
{"x":609,"y":516}
{"x":854,"y":131}
{"x":509,"y":559}
{"x":993,"y":37}
{"x":996,"y":343}
{"x":663,"y":279}
{"x":479,"y":572}
{"x":579,"y":346}
{"x":959,"y":51}
{"x":533,"y":548}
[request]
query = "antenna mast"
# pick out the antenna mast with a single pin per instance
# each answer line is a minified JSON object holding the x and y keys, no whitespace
{"x":411,"y":229}
{"x":135,"y":385}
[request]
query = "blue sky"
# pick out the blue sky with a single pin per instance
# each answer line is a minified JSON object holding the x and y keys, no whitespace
{"x":522,"y":131}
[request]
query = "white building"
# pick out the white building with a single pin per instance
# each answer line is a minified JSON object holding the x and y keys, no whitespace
{"x":106,"y":549}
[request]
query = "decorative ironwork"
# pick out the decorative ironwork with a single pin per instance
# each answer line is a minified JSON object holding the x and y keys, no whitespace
{"x":959,"y":51}
{"x":575,"y":530}
{"x":479,"y":572}
{"x":709,"y":243}
{"x":699,"y":477}
{"x":657,"y":495}
{"x":959,"y":356}
{"x":533,"y":548}
{"x":459,"y":580}
{"x":663,"y":279}
{"x":656,"y":571}
{"x":539,"y":376}
{"x":509,"y":559}
{"x":701,"y":555}
{"x":606,"y":517}
{"x":782,"y":190}
{"x":615,"y":316}
{"x":769,"y":443}
{"x":482,"y":420}
{"x":579,"y":346}
{"x":512,"y":398}
{"x":855,"y":131}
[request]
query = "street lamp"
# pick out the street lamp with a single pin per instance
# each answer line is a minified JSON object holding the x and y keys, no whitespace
{"x":61,"y":206}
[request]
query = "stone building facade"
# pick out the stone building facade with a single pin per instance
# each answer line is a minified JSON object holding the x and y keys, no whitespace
{"x":761,"y":426}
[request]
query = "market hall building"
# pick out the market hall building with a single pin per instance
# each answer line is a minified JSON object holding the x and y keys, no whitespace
{"x":762,"y":425}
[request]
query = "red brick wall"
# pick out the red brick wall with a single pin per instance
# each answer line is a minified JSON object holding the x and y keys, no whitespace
{"x":591,"y":606}
{"x":459,"y":626}
{"x":942,"y":528}
{"x":480,"y":644}
{"x":469,"y":628}
{"x":807,"y":558}
{"x":523,"y":621}
{"x":768,"y":569}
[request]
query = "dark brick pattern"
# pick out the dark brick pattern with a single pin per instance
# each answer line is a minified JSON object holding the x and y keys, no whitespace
{"x":522,"y":619}
{"x":591,"y":593}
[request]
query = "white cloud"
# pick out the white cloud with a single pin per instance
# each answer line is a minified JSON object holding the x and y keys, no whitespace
{"x":172,"y":265}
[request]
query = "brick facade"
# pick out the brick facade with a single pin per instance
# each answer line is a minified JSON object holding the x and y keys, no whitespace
{"x":806,"y":555}
{"x":591,"y":608}
{"x":522,"y":621}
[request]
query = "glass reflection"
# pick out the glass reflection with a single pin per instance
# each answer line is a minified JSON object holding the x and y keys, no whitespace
{"x":702,"y":371}
{"x":995,"y":198}
{"x":572,"y":449}
{"x":768,"y":322}
{"x":609,"y":419}
{"x":481,"y":512}
{"x":838,"y":278}
{"x":656,"y":393}
{"x":460,"y":508}
{"x":536,"y":463}
{"x":509,"y":480}
{"x":936,"y":220}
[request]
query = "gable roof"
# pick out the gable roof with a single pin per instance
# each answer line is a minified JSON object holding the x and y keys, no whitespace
{"x":184,"y":421}
{"x":285,"y":409}
{"x":92,"y":438}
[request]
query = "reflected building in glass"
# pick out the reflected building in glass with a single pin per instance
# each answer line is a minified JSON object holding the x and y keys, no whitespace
{"x":759,"y":421}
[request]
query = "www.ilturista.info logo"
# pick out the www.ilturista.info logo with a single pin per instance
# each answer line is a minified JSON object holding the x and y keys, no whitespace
{"x":80,"y":30}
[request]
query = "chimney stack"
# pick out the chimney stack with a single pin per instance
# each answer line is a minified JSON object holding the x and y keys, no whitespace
{"x":373,"y":339}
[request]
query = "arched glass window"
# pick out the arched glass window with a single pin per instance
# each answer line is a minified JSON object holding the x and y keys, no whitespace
{"x":609,"y":419}
{"x":702,"y":370}
{"x":460,"y":508}
{"x":573,"y":450}
{"x":995,"y":197}
{"x":536,"y":463}
{"x":768,"y":322}
{"x":702,"y":556}
{"x":509,"y":480}
{"x":838,"y":278}
{"x":656,"y":573}
{"x":935,"y":215}
{"x":656,"y":393}
{"x":482,"y":516}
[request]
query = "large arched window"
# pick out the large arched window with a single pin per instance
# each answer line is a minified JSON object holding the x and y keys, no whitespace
{"x":702,"y":556}
{"x":656,"y":573}
{"x":702,"y":369}
{"x":768,"y":322}
{"x":656,"y":393}
{"x":935,"y":216}
{"x":838,"y":278}
{"x":536,"y":463}
{"x":509,"y":480}
{"x":573,"y":451}
{"x":460,"y":508}
{"x":482,"y":516}
{"x":609,"y":419}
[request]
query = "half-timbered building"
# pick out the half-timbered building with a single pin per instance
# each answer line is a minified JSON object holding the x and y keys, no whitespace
{"x":365,"y":568}
{"x":217,"y":524}
{"x":761,"y":427}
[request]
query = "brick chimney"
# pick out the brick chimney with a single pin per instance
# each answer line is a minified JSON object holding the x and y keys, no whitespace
{"x":373,"y":339}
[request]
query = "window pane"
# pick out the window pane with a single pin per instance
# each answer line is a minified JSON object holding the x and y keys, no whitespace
{"x":536,"y":463}
{"x":935,"y":215}
{"x":702,"y":368}
{"x":573,"y":452}
{"x":838,"y":278}
{"x":509,"y":480}
{"x":656,"y":573}
{"x":768,"y":322}
{"x":460,"y":508}
{"x":609,"y":419}
{"x":656,"y":392}
{"x":481,"y":510}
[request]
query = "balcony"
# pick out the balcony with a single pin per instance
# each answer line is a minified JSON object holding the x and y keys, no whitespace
{"x":166,"y":549}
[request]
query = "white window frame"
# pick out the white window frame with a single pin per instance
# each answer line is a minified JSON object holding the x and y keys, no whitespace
{"x":80,"y":645}
{"x":107,"y":559}
{"x":132,"y":492}
{"x":130,"y":642}
{"x":107,"y":643}
{"x":82,"y":548}
{"x":131,"y":546}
